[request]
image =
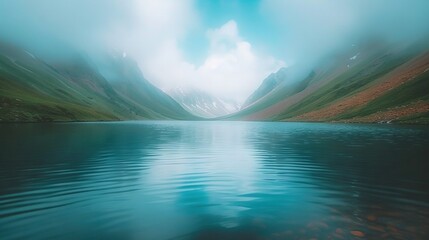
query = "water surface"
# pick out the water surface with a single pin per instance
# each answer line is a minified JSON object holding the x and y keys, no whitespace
{"x":213,"y":180}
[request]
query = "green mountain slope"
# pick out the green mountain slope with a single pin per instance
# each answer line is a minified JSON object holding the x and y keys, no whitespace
{"x":74,"y":90}
{"x":374,"y":83}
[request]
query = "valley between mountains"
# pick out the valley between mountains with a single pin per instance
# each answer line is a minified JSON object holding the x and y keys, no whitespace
{"x":371,"y":83}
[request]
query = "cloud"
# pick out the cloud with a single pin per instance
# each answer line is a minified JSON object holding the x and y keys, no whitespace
{"x":148,"y":31}
{"x":50,"y":26}
{"x":231,"y":70}
{"x":312,"y":28}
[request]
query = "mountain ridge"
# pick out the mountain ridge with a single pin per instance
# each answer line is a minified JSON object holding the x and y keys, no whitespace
{"x":361,"y":86}
{"x":33,"y":90}
{"x":371,"y":83}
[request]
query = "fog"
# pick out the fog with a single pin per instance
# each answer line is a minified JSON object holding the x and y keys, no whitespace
{"x":315,"y":28}
{"x":150,"y":31}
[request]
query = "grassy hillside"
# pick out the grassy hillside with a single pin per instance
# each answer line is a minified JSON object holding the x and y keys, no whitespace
{"x":381,"y":85}
{"x":74,"y":90}
{"x":349,"y":83}
{"x":265,"y":98}
{"x":405,"y":96}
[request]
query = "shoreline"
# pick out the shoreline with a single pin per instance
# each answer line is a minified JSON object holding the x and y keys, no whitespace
{"x":213,"y":120}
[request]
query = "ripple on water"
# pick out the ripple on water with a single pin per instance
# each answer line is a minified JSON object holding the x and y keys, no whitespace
{"x":214,"y":180}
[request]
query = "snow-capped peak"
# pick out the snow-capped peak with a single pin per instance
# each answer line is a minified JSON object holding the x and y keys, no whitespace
{"x":202,"y":103}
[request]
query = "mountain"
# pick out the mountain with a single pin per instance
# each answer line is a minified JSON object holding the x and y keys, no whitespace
{"x":268,"y":85}
{"x":203,"y":104}
{"x":371,"y":83}
{"x":76,"y":90}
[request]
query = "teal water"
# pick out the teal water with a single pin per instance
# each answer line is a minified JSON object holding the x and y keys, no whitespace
{"x":213,"y":180}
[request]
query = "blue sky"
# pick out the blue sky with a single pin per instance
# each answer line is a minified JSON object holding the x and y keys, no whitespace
{"x":223,"y":47}
{"x":255,"y":26}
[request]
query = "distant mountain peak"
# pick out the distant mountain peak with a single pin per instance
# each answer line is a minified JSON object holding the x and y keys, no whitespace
{"x":203,"y":104}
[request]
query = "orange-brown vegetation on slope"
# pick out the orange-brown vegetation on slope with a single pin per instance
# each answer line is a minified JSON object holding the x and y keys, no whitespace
{"x":283,"y":105}
{"x":393,"y":114}
{"x":399,"y":76}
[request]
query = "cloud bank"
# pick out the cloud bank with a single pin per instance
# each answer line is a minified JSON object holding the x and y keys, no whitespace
{"x":151,"y":32}
{"x":232,"y":69}
{"x":313,"y":28}
{"x":148,"y":31}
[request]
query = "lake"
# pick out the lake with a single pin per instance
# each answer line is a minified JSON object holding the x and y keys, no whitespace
{"x":213,"y":180}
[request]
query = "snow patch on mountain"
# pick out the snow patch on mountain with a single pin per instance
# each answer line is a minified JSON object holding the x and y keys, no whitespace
{"x":203,"y":104}
{"x":354,"y":57}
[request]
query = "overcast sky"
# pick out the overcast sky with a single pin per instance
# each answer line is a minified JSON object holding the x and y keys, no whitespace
{"x":225,"y":47}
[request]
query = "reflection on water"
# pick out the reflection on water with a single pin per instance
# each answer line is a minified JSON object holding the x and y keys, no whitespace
{"x":213,"y":180}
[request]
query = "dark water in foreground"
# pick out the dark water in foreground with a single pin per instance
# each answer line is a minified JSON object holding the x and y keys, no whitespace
{"x":213,"y":180}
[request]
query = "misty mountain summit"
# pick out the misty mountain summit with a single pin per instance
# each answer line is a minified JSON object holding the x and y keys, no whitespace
{"x":74,"y":90}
